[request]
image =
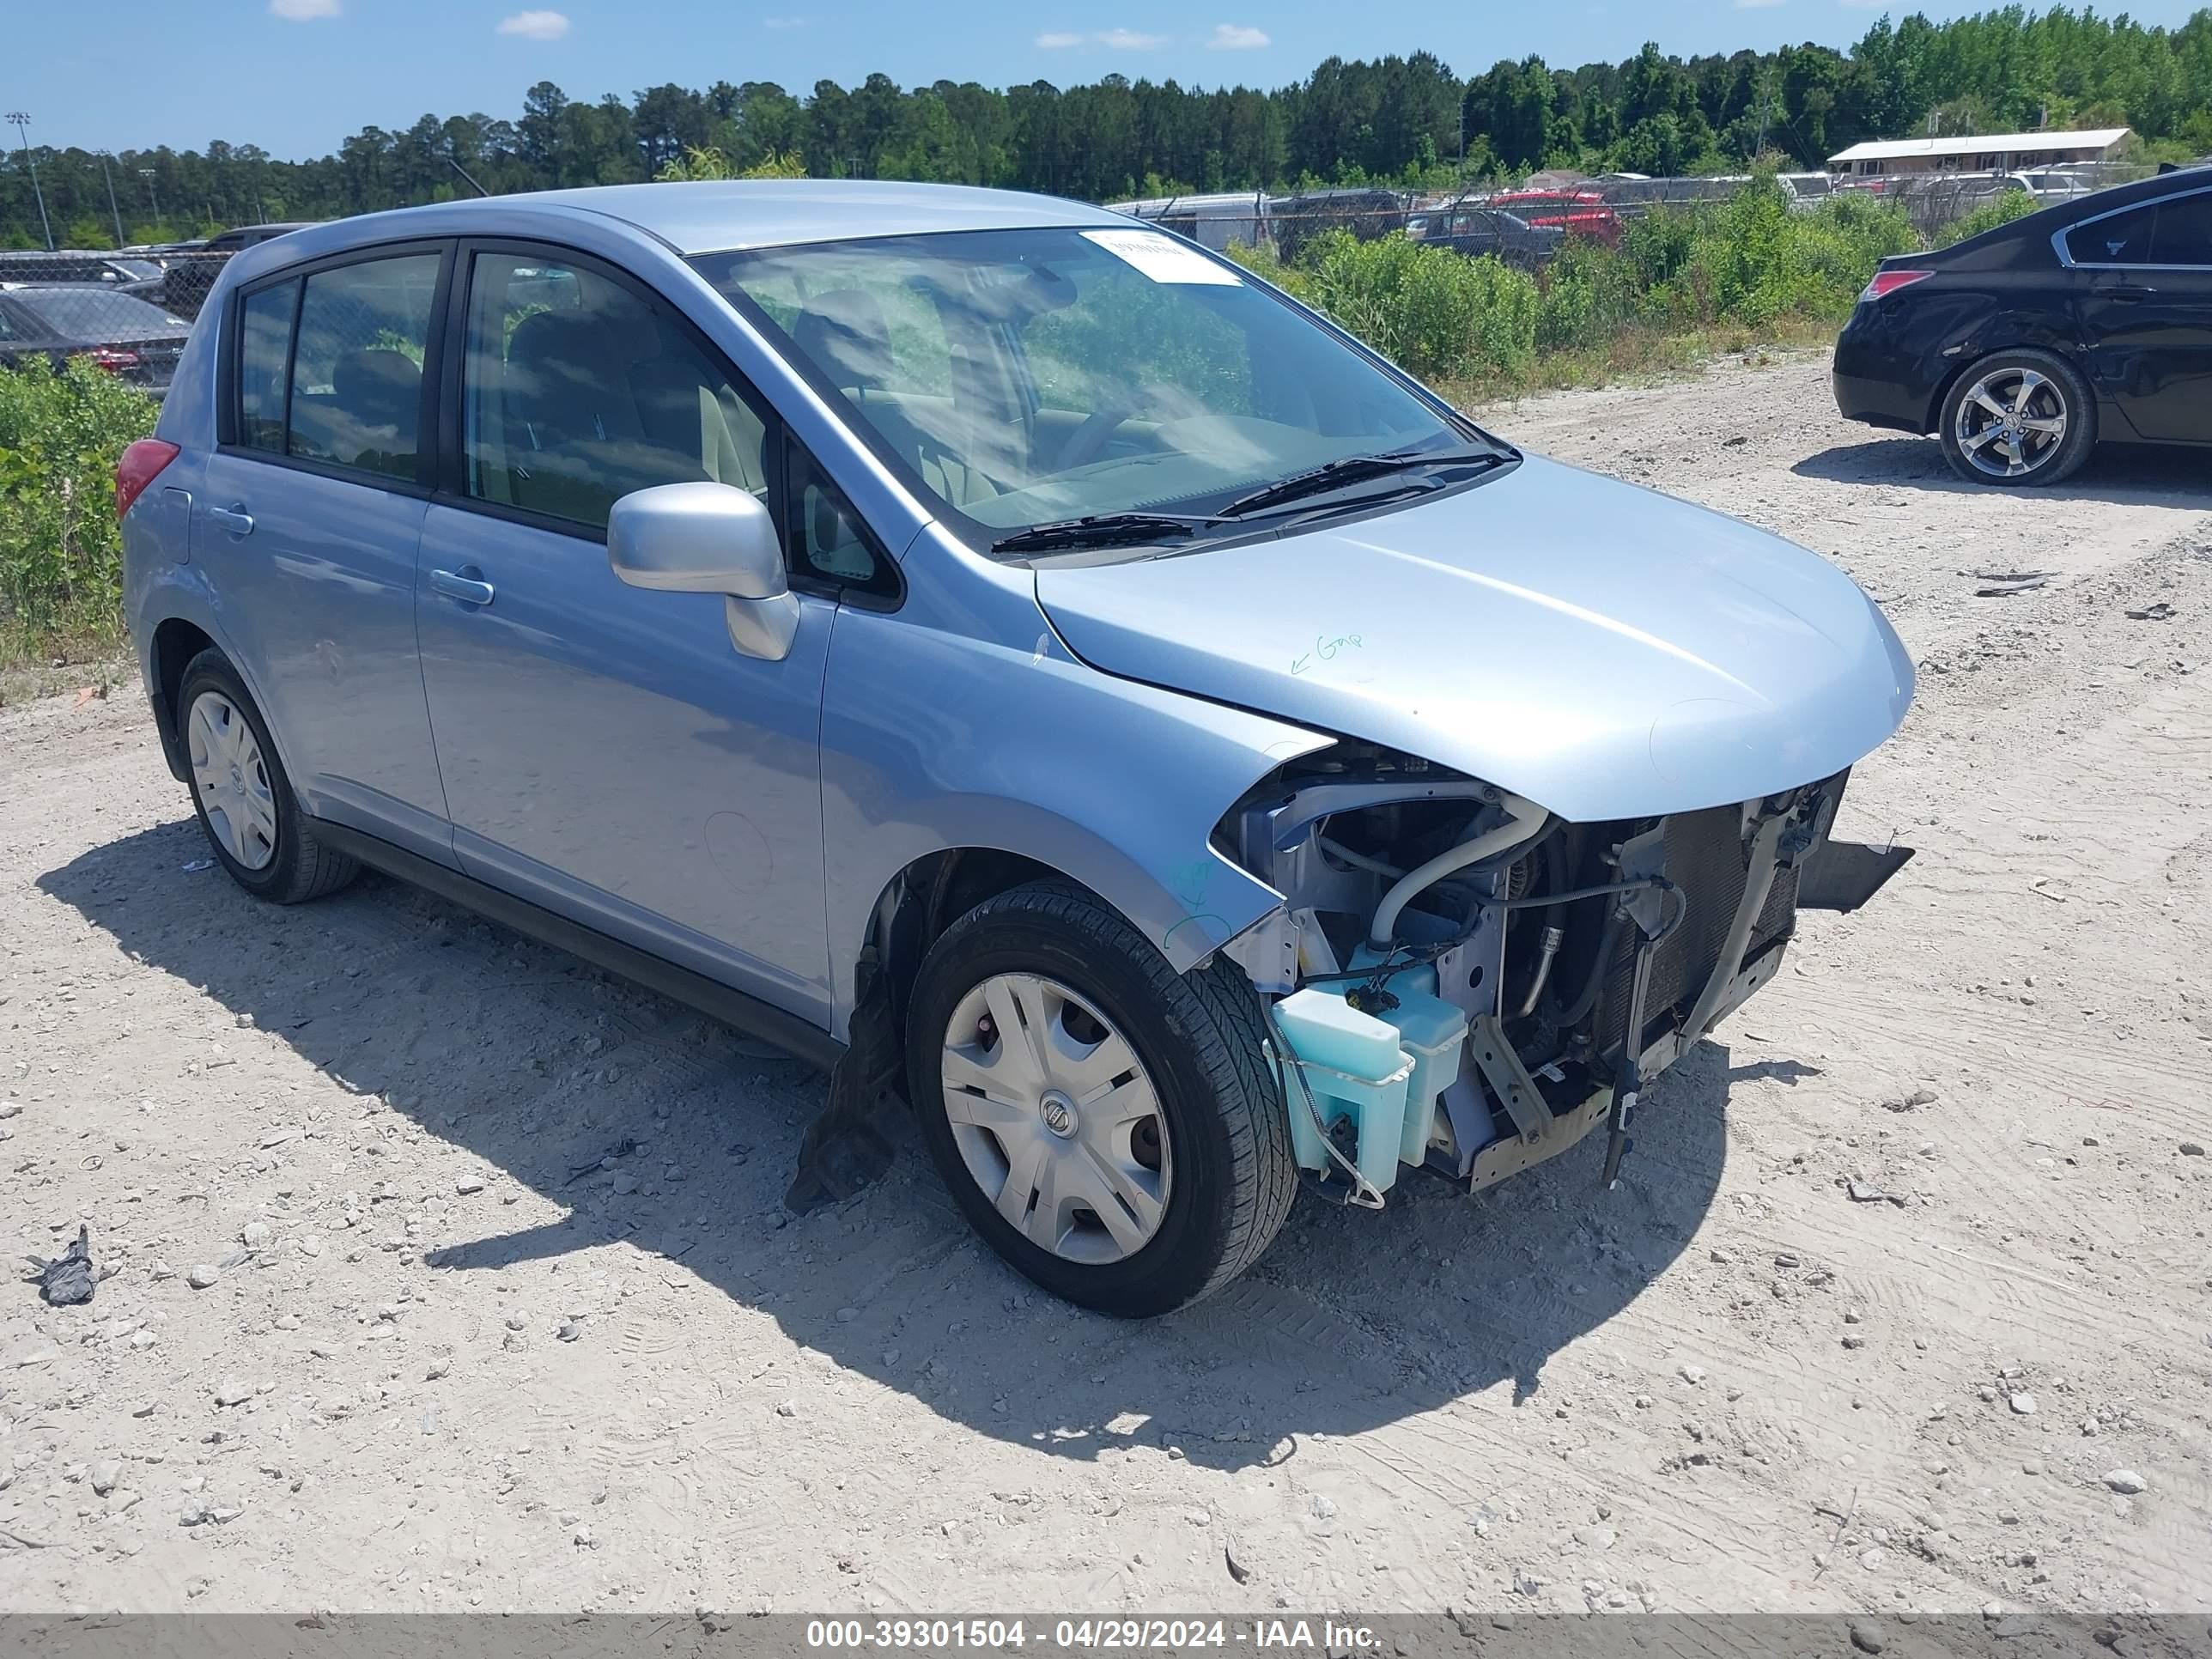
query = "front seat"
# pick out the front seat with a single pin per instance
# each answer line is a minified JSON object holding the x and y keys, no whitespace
{"x":845,"y":333}
{"x":576,"y":442}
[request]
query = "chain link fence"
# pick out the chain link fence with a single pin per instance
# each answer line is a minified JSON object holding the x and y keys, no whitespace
{"x":128,"y":312}
{"x":1524,"y":226}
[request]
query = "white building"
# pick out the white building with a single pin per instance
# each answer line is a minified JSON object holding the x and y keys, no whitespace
{"x":1986,"y":152}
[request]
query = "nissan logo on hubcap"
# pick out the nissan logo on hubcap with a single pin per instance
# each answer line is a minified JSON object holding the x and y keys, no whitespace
{"x":1058,"y":1112}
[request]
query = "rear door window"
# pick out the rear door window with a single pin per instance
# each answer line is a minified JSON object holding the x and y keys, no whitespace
{"x":2183,"y":234}
{"x":356,"y":381}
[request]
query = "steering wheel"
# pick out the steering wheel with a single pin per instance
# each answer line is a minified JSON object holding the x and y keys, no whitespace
{"x":1084,"y":443}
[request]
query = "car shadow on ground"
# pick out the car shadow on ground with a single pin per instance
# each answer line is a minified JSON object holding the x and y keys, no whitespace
{"x":2122,"y":474}
{"x":644,"y":1123}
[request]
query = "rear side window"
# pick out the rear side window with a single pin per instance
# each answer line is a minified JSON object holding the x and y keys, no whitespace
{"x":356,"y":378}
{"x":264,"y":347}
{"x":2118,"y":238}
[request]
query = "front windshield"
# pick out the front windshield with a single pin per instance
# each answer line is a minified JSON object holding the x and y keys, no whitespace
{"x":1035,"y":376}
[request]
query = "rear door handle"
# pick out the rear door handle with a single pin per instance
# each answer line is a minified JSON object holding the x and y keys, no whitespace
{"x":2127,"y":291}
{"x":460,"y":585}
{"x":235,"y":519}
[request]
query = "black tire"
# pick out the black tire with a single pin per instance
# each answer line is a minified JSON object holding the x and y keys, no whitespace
{"x":1199,"y":1037}
{"x":302,"y":868}
{"x":2063,"y":388}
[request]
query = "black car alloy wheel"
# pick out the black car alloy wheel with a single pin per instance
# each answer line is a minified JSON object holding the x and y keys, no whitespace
{"x":2018,"y":418}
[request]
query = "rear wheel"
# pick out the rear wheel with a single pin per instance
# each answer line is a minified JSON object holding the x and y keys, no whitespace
{"x":241,"y":796}
{"x":2018,"y":417}
{"x":1110,"y":1127}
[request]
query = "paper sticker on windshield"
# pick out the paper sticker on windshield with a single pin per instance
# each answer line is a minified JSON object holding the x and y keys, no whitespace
{"x":1163,"y":258}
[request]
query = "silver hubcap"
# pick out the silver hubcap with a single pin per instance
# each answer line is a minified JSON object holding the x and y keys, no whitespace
{"x":230,"y":781}
{"x":1055,"y":1119}
{"x":2011,"y":422}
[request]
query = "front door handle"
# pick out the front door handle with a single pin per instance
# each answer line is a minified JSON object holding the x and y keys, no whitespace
{"x":235,"y":519}
{"x":2127,"y":292}
{"x":463,"y":584}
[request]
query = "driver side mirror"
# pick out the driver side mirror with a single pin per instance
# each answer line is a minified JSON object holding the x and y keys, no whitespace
{"x":709,"y":538}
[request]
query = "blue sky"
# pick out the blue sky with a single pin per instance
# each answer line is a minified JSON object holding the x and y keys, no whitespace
{"x":297,"y":75}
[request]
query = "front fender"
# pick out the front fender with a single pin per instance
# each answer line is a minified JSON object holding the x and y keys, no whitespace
{"x":935,"y":739}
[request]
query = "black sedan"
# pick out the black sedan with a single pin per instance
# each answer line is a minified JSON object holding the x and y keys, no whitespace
{"x":2021,"y":347}
{"x":1475,"y":231}
{"x":130,"y":339}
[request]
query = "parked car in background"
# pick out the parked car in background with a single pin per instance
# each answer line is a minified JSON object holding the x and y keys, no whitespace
{"x":126,"y":272}
{"x":1218,"y":221}
{"x":1004,"y":654}
{"x":245,"y":236}
{"x":1577,"y":211}
{"x":1807,"y":190}
{"x":127,"y":336}
{"x":1369,"y":213}
{"x":2023,"y":347}
{"x":1478,"y":229}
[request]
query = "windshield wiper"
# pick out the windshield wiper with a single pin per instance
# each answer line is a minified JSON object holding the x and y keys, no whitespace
{"x":1099,"y":530}
{"x":1350,"y":469}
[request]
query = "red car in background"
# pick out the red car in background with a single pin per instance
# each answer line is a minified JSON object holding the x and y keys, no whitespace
{"x":1577,"y":212}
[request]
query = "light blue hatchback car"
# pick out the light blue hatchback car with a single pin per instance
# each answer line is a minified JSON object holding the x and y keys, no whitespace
{"x":1010,"y":655}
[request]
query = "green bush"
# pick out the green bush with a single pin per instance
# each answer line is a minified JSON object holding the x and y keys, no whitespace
{"x":1749,"y":260}
{"x":1997,"y":210}
{"x":61,"y":433}
{"x":1429,"y":310}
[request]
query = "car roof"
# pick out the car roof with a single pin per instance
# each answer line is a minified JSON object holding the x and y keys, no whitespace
{"x":718,"y":216}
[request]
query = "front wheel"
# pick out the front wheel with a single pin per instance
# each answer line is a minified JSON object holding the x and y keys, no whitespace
{"x":1110,"y":1127}
{"x":2018,"y":417}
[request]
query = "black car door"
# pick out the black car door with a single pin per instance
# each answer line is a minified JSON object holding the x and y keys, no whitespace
{"x":2144,"y":299}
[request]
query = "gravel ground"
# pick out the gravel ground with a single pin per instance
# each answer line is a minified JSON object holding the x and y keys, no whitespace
{"x":446,"y":1272}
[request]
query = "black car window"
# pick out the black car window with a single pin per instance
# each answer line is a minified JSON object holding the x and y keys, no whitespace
{"x":2184,"y":235}
{"x":357,"y":368}
{"x":2118,"y":239}
{"x":97,"y":315}
{"x":575,"y":392}
{"x":264,"y":346}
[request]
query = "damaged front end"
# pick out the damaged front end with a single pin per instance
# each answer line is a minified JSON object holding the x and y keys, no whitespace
{"x":1461,"y":980}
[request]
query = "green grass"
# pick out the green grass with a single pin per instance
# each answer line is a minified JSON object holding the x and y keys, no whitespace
{"x":61,"y":576}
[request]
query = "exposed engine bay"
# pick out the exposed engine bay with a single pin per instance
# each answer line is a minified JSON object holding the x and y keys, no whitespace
{"x":1528,"y":975}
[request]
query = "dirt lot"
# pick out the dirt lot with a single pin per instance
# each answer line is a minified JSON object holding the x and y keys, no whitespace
{"x":437,"y":1368}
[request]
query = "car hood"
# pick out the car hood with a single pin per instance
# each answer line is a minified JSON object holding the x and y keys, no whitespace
{"x":1603,"y":650}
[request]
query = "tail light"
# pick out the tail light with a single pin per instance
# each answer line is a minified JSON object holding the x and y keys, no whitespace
{"x":112,"y":358}
{"x":1887,"y":283}
{"x":140,"y":465}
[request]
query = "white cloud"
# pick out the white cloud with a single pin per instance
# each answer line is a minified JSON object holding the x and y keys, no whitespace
{"x":302,"y":11}
{"x":1760,"y":5}
{"x":783,"y":22}
{"x":1112,"y":39}
{"x":1236,"y":37}
{"x":536,"y":25}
